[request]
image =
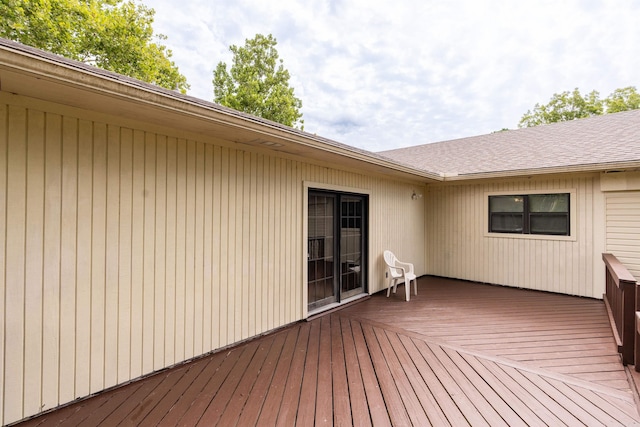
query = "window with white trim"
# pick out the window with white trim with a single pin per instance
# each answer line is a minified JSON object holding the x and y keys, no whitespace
{"x":546,"y":214}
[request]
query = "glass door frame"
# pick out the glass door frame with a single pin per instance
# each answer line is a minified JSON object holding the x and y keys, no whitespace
{"x":365,"y":250}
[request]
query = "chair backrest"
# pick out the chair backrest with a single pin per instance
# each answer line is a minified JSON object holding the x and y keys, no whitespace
{"x":391,"y":259}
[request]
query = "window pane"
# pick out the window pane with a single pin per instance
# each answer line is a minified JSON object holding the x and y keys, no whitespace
{"x":506,"y":204}
{"x":549,"y":203}
{"x":506,"y":223}
{"x":557,"y":224}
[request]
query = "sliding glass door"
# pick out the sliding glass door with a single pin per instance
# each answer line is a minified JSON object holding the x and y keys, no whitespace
{"x":336,"y":247}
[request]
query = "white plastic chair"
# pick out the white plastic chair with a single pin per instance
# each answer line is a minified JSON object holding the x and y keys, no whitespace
{"x":400,"y":270}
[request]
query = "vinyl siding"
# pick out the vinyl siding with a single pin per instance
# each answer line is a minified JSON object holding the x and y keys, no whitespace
{"x":127,"y":249}
{"x":459,"y":246}
{"x":623,"y":228}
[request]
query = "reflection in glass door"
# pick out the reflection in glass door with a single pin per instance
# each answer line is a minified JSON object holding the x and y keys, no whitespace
{"x":335,"y":247}
{"x":320,"y":250}
{"x":351,"y":238}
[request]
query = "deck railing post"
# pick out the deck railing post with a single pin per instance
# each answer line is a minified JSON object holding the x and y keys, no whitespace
{"x":621,"y":298}
{"x":636,"y":330}
{"x":636,"y":360}
{"x":628,"y":322}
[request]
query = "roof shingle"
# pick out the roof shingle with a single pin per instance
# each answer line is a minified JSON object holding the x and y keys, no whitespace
{"x":596,"y":141}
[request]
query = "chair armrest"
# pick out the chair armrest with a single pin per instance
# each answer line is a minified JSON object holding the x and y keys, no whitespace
{"x":405,"y":266}
{"x":396,"y":272}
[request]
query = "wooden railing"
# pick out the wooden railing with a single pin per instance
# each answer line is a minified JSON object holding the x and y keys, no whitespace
{"x":621,"y":300}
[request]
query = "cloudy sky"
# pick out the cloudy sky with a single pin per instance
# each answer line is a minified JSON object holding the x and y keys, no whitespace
{"x":382,"y":74}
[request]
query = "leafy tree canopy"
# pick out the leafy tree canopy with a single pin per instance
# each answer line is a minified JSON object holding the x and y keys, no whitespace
{"x":563,"y":107}
{"x":623,"y":99}
{"x":567,"y":106}
{"x":115,"y":35}
{"x":257,"y":83}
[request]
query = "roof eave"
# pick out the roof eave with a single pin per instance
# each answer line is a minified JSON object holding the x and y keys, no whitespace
{"x":47,"y":67}
{"x":585,"y":168}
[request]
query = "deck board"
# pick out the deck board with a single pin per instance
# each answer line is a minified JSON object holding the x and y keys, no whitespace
{"x":527,"y":384}
{"x":392,"y":398}
{"x":485,"y":388}
{"x":116,"y":410}
{"x":458,"y":353}
{"x":375,"y":400}
{"x":407,"y":354}
{"x":157,"y":406}
{"x":435,"y":388}
{"x":242,"y":390}
{"x":198,"y":404}
{"x":159,"y":414}
{"x":307,"y":412}
{"x":412,"y":404}
{"x":584,"y":409}
{"x":324,"y":392}
{"x":469,"y":411}
{"x":474,"y":398}
{"x":214,"y":410}
{"x":291,"y":394}
{"x":341,"y":398}
{"x":356,"y":391}
{"x":98,"y":409}
{"x":519,"y":401}
{"x":255,"y":401}
{"x":273,"y":399}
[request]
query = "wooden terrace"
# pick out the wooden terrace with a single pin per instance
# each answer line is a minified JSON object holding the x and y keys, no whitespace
{"x":458,"y":353}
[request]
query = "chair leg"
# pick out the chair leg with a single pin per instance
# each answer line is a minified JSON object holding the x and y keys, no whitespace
{"x":415,"y":286}
{"x":395,"y":285}
{"x":407,"y":289}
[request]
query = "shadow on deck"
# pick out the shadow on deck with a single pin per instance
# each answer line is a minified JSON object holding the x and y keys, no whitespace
{"x":458,"y":353}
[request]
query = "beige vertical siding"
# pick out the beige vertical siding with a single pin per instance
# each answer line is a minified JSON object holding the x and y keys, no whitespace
{"x":458,"y":245}
{"x":623,"y":228}
{"x":126,"y":250}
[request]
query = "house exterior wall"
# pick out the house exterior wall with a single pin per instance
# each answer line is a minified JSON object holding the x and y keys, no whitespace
{"x":623,"y":229}
{"x":459,"y":245}
{"x":128,"y":249}
{"x":622,"y":195}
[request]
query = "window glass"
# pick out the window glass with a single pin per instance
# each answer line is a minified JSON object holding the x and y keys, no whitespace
{"x":549,"y":224}
{"x":506,"y":203}
{"x":506,"y":223}
{"x":549,"y":203}
{"x":530,"y":214}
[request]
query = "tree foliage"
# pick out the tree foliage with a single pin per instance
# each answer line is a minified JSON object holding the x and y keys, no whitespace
{"x":257,"y":83}
{"x":623,"y":99}
{"x":563,"y":107}
{"x":567,"y":106}
{"x":115,"y":35}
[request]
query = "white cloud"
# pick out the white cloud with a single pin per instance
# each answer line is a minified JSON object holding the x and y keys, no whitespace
{"x":380,"y":74}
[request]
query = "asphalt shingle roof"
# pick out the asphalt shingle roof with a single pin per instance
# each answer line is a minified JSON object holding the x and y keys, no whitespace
{"x":595,"y":141}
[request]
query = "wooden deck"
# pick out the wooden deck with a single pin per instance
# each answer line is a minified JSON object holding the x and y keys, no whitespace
{"x":457,"y":354}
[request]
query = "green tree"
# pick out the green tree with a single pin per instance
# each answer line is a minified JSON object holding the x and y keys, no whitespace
{"x":623,"y":100}
{"x":257,"y":83}
{"x":115,"y":35}
{"x":563,"y":107}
